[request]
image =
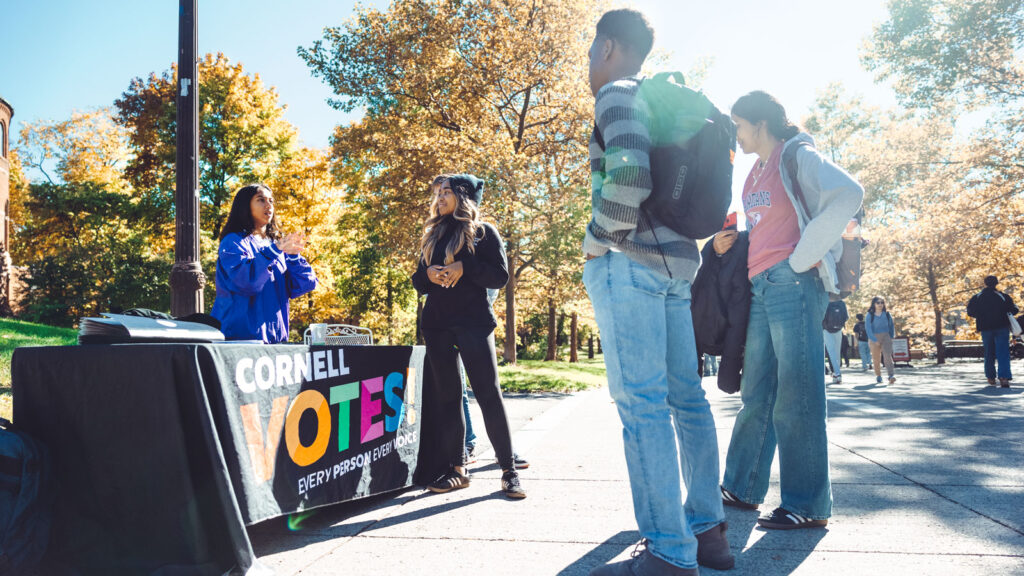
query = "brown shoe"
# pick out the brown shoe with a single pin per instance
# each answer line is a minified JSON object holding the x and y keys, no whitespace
{"x":1004,"y":382}
{"x":992,"y":382}
{"x":643,"y":564}
{"x":713,"y":548}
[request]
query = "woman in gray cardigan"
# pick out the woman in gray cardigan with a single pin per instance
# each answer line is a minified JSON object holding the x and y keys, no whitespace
{"x":797,"y":205}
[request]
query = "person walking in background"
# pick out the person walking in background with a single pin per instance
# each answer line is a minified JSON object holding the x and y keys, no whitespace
{"x":862,"y":343}
{"x":460,"y":257}
{"x":832,"y":334}
{"x":991,"y":310}
{"x":797,"y":204}
{"x":259,"y":270}
{"x":881,"y":330}
{"x":710,"y":365}
{"x":849,"y":345}
{"x":638,"y":274}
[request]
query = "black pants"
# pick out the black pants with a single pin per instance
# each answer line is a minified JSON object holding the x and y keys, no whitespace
{"x":476,"y":346}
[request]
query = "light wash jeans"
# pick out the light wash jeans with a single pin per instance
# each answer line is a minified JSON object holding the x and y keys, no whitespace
{"x":783,"y":395}
{"x":833,"y":344}
{"x":865,"y":356}
{"x":996,"y":344}
{"x":651,"y":356}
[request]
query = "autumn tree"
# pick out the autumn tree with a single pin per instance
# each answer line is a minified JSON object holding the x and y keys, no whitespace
{"x":77,"y":234}
{"x":947,"y":57}
{"x":242,"y":136}
{"x":494,"y":88}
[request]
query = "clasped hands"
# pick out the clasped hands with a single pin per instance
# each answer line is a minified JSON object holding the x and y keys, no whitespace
{"x":445,"y":276}
{"x":293,"y":243}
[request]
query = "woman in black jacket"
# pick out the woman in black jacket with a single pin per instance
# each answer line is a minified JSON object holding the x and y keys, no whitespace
{"x":461,"y":256}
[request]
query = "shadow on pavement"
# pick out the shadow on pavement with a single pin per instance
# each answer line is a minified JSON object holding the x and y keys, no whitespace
{"x":602,"y":553}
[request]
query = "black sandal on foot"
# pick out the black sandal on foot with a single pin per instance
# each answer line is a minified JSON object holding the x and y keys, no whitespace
{"x":782,"y":519}
{"x":730,"y":499}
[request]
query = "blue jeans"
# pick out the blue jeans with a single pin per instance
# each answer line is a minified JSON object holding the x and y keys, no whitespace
{"x":833,"y":344}
{"x":783,"y":395}
{"x":651,"y":358}
{"x":997,"y":349}
{"x":470,"y":435}
{"x":865,"y":355}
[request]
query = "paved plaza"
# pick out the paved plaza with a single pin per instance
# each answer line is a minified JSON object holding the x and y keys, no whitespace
{"x":928,"y":478}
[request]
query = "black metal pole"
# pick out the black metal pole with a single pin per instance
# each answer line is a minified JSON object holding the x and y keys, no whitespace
{"x":187,"y":278}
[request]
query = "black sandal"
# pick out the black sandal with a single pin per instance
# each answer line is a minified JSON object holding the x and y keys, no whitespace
{"x":730,"y":499}
{"x":782,"y":519}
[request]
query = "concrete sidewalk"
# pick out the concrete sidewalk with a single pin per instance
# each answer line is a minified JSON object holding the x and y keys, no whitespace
{"x":928,"y":478}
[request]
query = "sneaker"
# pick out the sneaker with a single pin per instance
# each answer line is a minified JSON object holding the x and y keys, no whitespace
{"x":510,"y":485}
{"x":469,"y":456}
{"x":452,"y":480}
{"x":878,"y":380}
{"x":730,"y":499}
{"x":992,"y":382}
{"x":892,"y":379}
{"x":643,"y":563}
{"x":1004,"y":382}
{"x":837,"y":379}
{"x":713,"y":548}
{"x":520,"y":462}
{"x":781,"y":519}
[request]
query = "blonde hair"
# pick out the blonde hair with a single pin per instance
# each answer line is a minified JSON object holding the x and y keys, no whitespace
{"x":465,"y":217}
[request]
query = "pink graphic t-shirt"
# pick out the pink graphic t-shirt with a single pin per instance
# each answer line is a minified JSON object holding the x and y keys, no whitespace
{"x":771,"y":220}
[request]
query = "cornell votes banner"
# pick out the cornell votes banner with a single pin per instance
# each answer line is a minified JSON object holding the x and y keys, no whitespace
{"x":312,"y":426}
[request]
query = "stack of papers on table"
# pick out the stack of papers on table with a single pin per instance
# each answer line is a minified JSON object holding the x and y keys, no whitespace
{"x":118,"y":328}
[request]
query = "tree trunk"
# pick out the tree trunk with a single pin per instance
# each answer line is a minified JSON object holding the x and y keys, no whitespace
{"x":590,"y":347}
{"x":552,"y":332}
{"x":599,"y":351}
{"x":390,"y":303}
{"x":574,"y":339}
{"x":933,"y":291}
{"x":510,"y":320}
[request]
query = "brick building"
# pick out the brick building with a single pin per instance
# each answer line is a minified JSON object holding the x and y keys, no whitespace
{"x":6,"y":112}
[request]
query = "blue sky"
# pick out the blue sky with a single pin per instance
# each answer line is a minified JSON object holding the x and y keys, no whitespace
{"x":64,"y":55}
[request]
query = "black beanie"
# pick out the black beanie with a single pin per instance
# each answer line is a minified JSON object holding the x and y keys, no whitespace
{"x":468,"y":186}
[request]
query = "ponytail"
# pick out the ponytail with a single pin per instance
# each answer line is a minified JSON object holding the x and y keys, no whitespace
{"x":760,"y":106}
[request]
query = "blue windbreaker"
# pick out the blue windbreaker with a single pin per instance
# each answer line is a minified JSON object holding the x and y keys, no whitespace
{"x":254,"y":285}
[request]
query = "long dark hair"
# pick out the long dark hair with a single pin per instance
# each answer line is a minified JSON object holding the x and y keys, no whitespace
{"x":760,"y":106}
{"x":466,"y":219}
{"x":240,"y":218}
{"x":877,"y":299}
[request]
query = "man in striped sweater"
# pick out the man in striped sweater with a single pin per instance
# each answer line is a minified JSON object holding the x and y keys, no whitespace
{"x":638,"y":275}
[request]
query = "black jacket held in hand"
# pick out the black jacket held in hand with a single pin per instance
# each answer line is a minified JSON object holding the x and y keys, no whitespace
{"x":989,"y":309}
{"x":464,"y":304}
{"x":721,"y":308}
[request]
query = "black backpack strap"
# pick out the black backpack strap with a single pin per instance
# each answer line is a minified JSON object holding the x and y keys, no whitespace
{"x":597,"y":136}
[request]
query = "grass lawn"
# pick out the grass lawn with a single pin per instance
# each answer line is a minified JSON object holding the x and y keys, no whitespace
{"x":14,"y":334}
{"x":540,"y":376}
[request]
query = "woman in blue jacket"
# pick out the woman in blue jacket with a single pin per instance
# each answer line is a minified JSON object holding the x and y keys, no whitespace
{"x":258,"y":270}
{"x":881,"y":330}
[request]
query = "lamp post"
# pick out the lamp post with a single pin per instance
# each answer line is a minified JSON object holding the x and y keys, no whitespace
{"x":187,"y":278}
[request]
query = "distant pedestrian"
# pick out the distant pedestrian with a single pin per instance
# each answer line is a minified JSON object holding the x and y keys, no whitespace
{"x":991,"y":310}
{"x":881,"y":330}
{"x":710,"y":365}
{"x":849,"y":345}
{"x":862,"y":343}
